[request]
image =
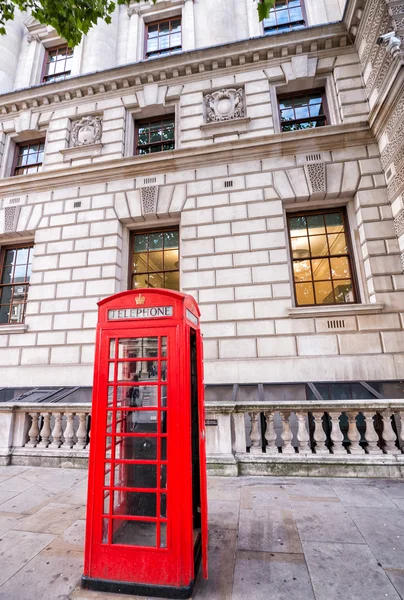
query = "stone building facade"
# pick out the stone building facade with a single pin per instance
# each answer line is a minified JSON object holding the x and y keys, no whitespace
{"x":234,"y":182}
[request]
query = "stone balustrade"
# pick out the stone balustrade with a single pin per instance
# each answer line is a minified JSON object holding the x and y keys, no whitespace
{"x":45,"y":434}
{"x":338,"y":437}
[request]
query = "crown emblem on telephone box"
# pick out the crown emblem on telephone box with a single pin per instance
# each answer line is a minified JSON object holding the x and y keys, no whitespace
{"x":140,"y":299}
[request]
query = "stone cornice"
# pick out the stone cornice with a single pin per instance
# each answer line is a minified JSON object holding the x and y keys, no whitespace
{"x":281,"y":144}
{"x":262,"y":52}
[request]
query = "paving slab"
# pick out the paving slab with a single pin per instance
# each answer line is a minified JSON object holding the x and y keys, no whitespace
{"x":223,"y":514}
{"x":391,"y":487}
{"x":310,"y":490}
{"x":346,"y":571}
{"x":222,"y":551}
{"x":17,"y":548}
{"x":396,"y":577}
{"x":52,"y":571}
{"x":268,"y":531}
{"x":263,"y":497}
{"x":362,"y":495}
{"x":52,"y":518}
{"x":274,"y":576}
{"x":72,"y":538}
{"x":28,"y":501}
{"x":9,"y":521}
{"x":383,"y":531}
{"x":77,"y":494}
{"x":326,"y":522}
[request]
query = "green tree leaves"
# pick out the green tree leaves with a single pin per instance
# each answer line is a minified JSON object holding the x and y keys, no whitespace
{"x":264,"y":6}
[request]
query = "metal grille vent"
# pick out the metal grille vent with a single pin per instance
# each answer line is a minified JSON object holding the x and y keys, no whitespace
{"x":149,"y":180}
{"x":313,"y":158}
{"x":77,"y":204}
{"x":228,"y":183}
{"x":11,"y":214}
{"x":336,"y":324}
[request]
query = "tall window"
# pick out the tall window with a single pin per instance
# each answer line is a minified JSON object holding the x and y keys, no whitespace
{"x":322,"y":269}
{"x":154,"y":259}
{"x":163,"y":38}
{"x":154,"y":135}
{"x":29,"y":158}
{"x":15,"y":271}
{"x":57,"y":63}
{"x":302,"y":111}
{"x":285,"y":16}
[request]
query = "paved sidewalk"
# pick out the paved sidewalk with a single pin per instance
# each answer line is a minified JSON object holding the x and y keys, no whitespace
{"x":270,"y":538}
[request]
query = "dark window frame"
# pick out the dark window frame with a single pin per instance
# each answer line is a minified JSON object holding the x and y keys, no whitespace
{"x":162,"y":52}
{"x":3,"y":252}
{"x":56,"y":76}
{"x":293,"y":25}
{"x":18,"y":146}
{"x":350,"y":256}
{"x":292,"y":95}
{"x":133,"y":233}
{"x":142,"y":122}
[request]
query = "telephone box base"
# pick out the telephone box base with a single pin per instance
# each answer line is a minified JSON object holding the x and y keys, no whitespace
{"x":136,"y":589}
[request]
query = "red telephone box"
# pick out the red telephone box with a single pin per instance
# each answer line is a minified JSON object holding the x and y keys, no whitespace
{"x":147,"y":509}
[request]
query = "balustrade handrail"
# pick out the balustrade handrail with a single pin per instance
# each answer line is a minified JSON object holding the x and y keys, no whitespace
{"x":305,"y":405}
{"x":37,"y":407}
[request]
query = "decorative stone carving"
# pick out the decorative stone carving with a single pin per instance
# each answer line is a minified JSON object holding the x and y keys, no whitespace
{"x":11,"y":214}
{"x":149,"y":199}
{"x":33,"y":37}
{"x":133,"y":10}
{"x":86,"y":131}
{"x":224,"y":105}
{"x":316,"y":172}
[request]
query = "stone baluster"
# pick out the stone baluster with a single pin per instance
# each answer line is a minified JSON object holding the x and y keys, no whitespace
{"x":286,"y":434}
{"x":336,"y":435}
{"x":255,"y":435}
{"x":401,"y":438}
{"x":33,"y":432}
{"x":45,"y":430}
{"x":319,"y":435}
{"x":353,"y":434}
{"x":302,"y":433}
{"x":81,"y":431}
{"x":69,"y":431}
{"x":371,"y":435}
{"x":389,"y":437}
{"x":57,"y":431}
{"x":270,"y":433}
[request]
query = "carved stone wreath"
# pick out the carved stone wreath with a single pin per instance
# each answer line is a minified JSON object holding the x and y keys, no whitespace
{"x":86,"y":131}
{"x":224,"y":105}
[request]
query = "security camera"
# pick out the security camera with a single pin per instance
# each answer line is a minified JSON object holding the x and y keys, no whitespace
{"x":384,"y":39}
{"x":392,"y":41}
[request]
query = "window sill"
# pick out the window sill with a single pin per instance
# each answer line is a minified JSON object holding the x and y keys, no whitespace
{"x":230,"y":126}
{"x":13,"y":328}
{"x":330,"y":311}
{"x":87,"y":151}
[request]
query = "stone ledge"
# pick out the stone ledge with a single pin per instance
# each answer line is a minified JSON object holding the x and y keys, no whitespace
{"x":87,"y":151}
{"x":13,"y":328}
{"x":210,"y":130}
{"x":298,"y":312}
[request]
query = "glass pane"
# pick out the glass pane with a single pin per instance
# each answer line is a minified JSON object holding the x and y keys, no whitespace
{"x":140,"y":421}
{"x":163,"y":477}
{"x":22,"y":256}
{"x":163,"y":448}
{"x":302,"y":270}
{"x":136,"y":448}
{"x":111,"y":371}
{"x":176,"y":25}
{"x":287,"y":115}
{"x":7,"y":273}
{"x":295,"y":14}
{"x":156,"y":280}
{"x":134,"y":533}
{"x":164,"y":27}
{"x":156,"y":241}
{"x":297,"y":226}
{"x":107,"y":476}
{"x":155,"y":261}
{"x":139,"y":396}
{"x":175,"y":39}
{"x":105,"y":531}
{"x":164,"y":421}
{"x":108,"y":447}
{"x":137,"y":371}
{"x":334,"y":222}
{"x":140,"y":263}
{"x":163,"y":535}
{"x":140,"y":242}
{"x":318,"y":245}
{"x":316,"y":110}
{"x":321,"y":269}
{"x":304,"y":294}
{"x":171,"y":239}
{"x":137,"y":347}
{"x":323,"y":291}
{"x":340,"y":268}
{"x":110,"y":398}
{"x":302,"y":112}
{"x":171,"y":259}
{"x":4,"y":313}
{"x":300,"y":247}
{"x":137,"y":504}
{"x":337,"y":243}
{"x":343,"y":291}
{"x":140,"y":281}
{"x":111,"y":348}
{"x":163,"y":374}
{"x":163,"y":505}
{"x":141,"y":476}
{"x":315,"y":224}
{"x":10,"y":257}
{"x":106,"y":503}
{"x":172,"y":281}
{"x":164,"y":346}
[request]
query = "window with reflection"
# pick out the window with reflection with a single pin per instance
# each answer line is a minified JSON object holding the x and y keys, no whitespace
{"x":58,"y":63}
{"x":322,"y":268}
{"x":286,"y":15}
{"x":15,"y":272}
{"x":29,"y":158}
{"x":154,"y":259}
{"x":155,"y":135}
{"x":163,"y":37}
{"x":302,"y":111}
